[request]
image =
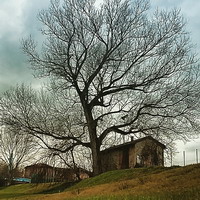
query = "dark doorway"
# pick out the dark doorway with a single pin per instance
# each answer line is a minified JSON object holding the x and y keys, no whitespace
{"x":125,"y":158}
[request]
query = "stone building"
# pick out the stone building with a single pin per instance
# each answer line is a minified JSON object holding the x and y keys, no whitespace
{"x":42,"y":170}
{"x":142,"y":152}
{"x":47,"y":173}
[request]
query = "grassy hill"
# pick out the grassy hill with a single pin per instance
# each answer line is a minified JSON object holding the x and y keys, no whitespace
{"x":156,"y":183}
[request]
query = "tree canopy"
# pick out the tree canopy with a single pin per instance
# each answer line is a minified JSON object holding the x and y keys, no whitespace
{"x":116,"y":68}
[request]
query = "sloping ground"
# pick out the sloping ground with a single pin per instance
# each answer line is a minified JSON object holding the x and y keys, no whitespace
{"x":31,"y":189}
{"x":133,"y":184}
{"x":158,"y":183}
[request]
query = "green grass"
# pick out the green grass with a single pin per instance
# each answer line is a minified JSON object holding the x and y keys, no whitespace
{"x":154,"y":183}
{"x":171,"y":178}
{"x":118,"y":175}
{"x":56,"y":188}
{"x":31,"y":189}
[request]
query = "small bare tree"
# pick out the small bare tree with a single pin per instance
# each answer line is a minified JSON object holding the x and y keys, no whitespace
{"x":16,"y":148}
{"x":117,"y":68}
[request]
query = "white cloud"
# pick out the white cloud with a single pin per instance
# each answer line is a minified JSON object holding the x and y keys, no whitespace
{"x":11,"y":18}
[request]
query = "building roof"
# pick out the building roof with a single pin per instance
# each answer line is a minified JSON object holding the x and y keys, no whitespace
{"x":43,"y":165}
{"x":127,"y":144}
{"x":39,"y":165}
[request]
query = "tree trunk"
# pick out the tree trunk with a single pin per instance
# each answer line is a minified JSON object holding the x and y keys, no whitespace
{"x":95,"y":145}
{"x":94,"y":141}
{"x":96,"y":157}
{"x":10,"y":176}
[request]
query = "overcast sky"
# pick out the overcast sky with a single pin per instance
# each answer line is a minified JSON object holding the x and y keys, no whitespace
{"x":18,"y":19}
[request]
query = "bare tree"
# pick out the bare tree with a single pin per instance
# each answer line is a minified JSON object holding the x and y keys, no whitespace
{"x":16,"y":148}
{"x":3,"y":170}
{"x":118,"y":69}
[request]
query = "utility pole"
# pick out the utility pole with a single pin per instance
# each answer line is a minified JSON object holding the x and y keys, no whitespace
{"x":171,"y":158}
{"x":197,"y":156}
{"x":172,"y":154}
{"x":184,"y":158}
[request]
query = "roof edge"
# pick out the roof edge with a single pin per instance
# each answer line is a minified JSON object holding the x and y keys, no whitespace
{"x":134,"y":142}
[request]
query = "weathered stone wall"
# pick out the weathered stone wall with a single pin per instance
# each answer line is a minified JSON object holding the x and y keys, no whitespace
{"x":144,"y":153}
{"x":132,"y":156}
{"x":56,"y":174}
{"x":43,"y":171}
{"x":111,"y":160}
{"x":148,"y":153}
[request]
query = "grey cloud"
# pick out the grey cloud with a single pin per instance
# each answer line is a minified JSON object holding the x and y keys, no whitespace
{"x":13,"y":66}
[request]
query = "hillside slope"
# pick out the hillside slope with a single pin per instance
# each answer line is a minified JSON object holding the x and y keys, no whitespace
{"x":132,"y":184}
{"x":182,"y":181}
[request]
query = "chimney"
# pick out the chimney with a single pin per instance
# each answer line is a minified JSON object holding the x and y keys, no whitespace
{"x":132,"y":138}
